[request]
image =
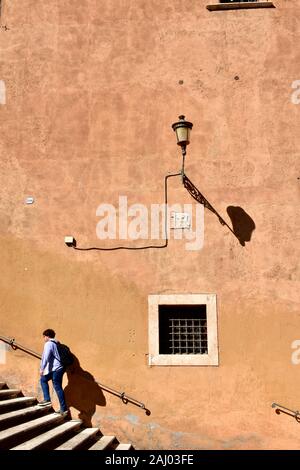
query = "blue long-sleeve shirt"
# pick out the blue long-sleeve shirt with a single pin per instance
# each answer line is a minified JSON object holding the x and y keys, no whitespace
{"x":50,"y":358}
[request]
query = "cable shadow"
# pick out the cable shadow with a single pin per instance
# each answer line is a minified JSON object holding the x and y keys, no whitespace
{"x":242,"y":223}
{"x":83,"y":393}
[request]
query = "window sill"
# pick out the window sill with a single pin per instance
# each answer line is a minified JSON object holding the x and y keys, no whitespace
{"x":239,"y":5}
{"x":183,"y":360}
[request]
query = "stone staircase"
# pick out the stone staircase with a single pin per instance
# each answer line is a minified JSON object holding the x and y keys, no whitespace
{"x":26,"y":426}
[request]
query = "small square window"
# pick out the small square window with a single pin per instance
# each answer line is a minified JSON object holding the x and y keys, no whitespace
{"x":183,"y":329}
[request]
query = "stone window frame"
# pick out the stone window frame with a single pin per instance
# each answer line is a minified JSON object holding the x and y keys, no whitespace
{"x":242,"y":4}
{"x":156,"y":359}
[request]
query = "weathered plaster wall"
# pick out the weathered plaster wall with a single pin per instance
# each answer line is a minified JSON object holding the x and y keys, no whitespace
{"x":92,"y":87}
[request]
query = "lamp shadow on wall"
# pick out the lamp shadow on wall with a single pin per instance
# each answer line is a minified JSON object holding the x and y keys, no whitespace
{"x":83,"y":393}
{"x":242,"y":224}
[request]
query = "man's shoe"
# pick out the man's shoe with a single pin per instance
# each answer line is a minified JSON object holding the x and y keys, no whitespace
{"x":62,"y":413}
{"x":44,"y":403}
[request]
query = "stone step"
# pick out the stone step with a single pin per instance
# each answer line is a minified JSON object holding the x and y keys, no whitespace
{"x":24,"y":414}
{"x":124,"y":447}
{"x":9,"y":393}
{"x":43,"y":439}
{"x":23,"y":428}
{"x":19,"y":432}
{"x":79,"y":440}
{"x":103,"y":443}
{"x":15,"y":403}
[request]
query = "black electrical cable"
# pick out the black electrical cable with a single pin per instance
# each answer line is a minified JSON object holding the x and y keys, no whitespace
{"x":192,"y":190}
{"x":147,"y":246}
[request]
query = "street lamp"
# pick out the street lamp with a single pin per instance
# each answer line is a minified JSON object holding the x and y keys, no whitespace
{"x":182,"y":129}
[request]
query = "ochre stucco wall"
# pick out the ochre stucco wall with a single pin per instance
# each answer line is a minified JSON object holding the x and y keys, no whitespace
{"x":92,"y":87}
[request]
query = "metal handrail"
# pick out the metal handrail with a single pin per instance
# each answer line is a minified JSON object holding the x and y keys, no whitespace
{"x":122,"y":395}
{"x":287,"y":411}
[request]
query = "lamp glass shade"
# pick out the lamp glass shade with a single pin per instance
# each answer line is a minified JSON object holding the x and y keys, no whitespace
{"x":182,"y":129}
{"x":183,"y":135}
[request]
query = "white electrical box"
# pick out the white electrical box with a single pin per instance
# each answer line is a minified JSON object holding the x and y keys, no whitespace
{"x":70,"y":241}
{"x":29,"y":200}
{"x":180,"y":220}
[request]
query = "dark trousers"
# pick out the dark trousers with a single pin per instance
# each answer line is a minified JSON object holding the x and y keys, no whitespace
{"x":56,"y":376}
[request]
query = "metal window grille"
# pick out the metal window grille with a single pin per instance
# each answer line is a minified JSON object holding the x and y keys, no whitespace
{"x":183,"y":329}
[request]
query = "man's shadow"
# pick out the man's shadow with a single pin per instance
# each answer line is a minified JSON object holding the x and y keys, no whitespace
{"x":83,"y":393}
